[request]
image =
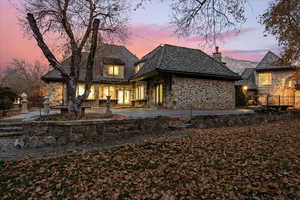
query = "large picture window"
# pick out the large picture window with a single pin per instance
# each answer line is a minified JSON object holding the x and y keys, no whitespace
{"x":264,"y":79}
{"x":140,"y":92}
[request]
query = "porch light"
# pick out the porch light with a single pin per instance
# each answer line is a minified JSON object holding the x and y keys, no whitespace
{"x":245,"y":87}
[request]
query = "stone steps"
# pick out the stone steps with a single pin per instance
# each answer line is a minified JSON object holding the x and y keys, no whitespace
{"x":11,"y":129}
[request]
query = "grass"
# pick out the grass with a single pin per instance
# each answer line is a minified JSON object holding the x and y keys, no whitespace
{"x":259,"y":162}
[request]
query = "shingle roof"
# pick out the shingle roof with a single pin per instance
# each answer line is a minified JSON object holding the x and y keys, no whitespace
{"x":175,"y":59}
{"x":108,"y":53}
{"x":271,"y":62}
{"x":249,"y":79}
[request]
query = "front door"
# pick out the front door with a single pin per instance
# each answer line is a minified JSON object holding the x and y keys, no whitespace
{"x":123,"y":97}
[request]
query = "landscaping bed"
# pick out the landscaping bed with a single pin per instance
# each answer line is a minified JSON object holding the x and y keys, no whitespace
{"x":254,"y":162}
{"x":87,"y":116}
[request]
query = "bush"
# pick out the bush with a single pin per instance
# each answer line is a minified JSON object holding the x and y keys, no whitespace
{"x":7,"y":97}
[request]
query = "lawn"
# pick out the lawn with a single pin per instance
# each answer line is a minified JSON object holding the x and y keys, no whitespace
{"x":261,"y":162}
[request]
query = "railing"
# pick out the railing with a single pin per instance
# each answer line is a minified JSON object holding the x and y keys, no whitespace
{"x":278,"y":100}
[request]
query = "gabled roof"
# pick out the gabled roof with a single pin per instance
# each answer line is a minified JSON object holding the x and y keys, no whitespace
{"x":248,"y":76}
{"x":107,"y":54}
{"x":180,"y":60}
{"x":271,"y":62}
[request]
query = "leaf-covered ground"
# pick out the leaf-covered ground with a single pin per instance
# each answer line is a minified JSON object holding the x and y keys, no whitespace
{"x":232,"y":163}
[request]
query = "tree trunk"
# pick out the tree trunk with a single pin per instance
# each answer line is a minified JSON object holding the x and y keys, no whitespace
{"x":71,"y":79}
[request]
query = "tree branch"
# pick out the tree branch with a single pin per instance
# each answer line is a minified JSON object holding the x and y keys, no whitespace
{"x":45,"y":49}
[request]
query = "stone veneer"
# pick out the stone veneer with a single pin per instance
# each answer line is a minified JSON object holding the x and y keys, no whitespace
{"x":201,"y":94}
{"x":54,"y":90}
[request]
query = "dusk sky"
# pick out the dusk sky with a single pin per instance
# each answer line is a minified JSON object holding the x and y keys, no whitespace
{"x":149,"y":27}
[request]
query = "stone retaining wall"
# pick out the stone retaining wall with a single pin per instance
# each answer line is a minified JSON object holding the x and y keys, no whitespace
{"x":39,"y":134}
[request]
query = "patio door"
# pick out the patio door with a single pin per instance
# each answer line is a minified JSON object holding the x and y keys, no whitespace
{"x":123,"y":97}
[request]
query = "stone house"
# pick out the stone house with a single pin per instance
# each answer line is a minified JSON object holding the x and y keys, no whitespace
{"x":168,"y":77}
{"x":274,"y":83}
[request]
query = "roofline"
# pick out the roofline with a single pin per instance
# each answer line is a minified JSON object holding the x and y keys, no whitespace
{"x":202,"y":75}
{"x":276,"y":69}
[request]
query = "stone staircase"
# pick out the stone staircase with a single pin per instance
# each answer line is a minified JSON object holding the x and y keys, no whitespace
{"x":11,"y":129}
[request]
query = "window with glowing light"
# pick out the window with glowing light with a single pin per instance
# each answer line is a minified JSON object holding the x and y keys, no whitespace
{"x":264,"y":79}
{"x":140,"y":92}
{"x":113,"y":70}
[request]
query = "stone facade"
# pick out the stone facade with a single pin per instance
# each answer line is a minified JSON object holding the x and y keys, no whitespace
{"x":201,"y":94}
{"x":282,"y":90}
{"x":55,"y":90}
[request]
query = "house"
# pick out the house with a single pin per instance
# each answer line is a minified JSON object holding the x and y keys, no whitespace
{"x":168,"y":77}
{"x":274,"y":83}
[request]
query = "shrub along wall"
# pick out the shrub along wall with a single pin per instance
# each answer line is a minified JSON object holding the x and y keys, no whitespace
{"x":39,"y":134}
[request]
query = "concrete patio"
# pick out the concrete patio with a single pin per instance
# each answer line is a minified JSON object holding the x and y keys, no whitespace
{"x":142,"y":112}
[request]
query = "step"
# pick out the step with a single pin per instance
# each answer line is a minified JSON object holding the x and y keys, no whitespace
{"x":11,"y":129}
{"x":9,"y":124}
{"x":10,"y":134}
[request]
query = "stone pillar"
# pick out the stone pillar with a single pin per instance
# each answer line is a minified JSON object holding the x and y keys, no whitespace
{"x":108,"y":112}
{"x":97,"y":95}
{"x":24,"y":103}
{"x":46,"y":105}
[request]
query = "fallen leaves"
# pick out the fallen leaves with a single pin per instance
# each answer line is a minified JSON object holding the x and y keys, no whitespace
{"x":259,"y":162}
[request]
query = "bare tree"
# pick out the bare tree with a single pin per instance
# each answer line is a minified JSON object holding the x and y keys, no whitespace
{"x":22,"y":76}
{"x":76,"y":22}
{"x":206,"y":18}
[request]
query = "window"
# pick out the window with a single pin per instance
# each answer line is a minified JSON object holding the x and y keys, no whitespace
{"x":157,"y":94}
{"x":138,"y":67}
{"x":140,"y":92}
{"x":264,"y":79}
{"x":107,"y":91}
{"x":113,"y":70}
{"x":81,"y":89}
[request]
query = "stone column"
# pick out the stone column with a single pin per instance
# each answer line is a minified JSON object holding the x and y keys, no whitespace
{"x":24,"y":103}
{"x":108,"y":112}
{"x":97,"y":95}
{"x":46,"y":105}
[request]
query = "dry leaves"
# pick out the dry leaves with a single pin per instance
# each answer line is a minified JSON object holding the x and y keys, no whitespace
{"x":232,"y":163}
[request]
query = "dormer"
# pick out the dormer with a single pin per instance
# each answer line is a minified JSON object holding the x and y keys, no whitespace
{"x":138,"y":67}
{"x":113,"y":68}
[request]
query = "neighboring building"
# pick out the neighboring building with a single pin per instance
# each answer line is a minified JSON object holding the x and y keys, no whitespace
{"x":167,"y":77}
{"x":248,"y":85}
{"x":276,"y":83}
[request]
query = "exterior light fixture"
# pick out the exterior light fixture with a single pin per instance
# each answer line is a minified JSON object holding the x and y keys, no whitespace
{"x":245,"y":87}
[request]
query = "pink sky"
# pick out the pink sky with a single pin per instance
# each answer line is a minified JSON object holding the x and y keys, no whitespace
{"x":144,"y":37}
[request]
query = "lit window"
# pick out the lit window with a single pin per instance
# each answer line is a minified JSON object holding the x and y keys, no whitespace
{"x":81,"y":89}
{"x":113,"y":70}
{"x":138,"y":67}
{"x":107,"y":91}
{"x":158,"y":94}
{"x":140,"y":92}
{"x":264,"y":79}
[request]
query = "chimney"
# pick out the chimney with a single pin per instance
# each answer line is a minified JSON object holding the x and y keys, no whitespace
{"x":217,"y":55}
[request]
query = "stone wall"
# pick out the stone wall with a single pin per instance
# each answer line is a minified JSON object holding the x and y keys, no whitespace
{"x":201,"y":94}
{"x":56,"y":133}
{"x":53,"y":133}
{"x":54,"y":91}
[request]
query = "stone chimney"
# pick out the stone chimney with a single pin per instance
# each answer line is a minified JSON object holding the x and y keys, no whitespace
{"x":217,"y":55}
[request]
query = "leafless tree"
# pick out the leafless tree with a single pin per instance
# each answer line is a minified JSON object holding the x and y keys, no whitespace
{"x":76,"y":22}
{"x":206,"y":18}
{"x":22,"y":76}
